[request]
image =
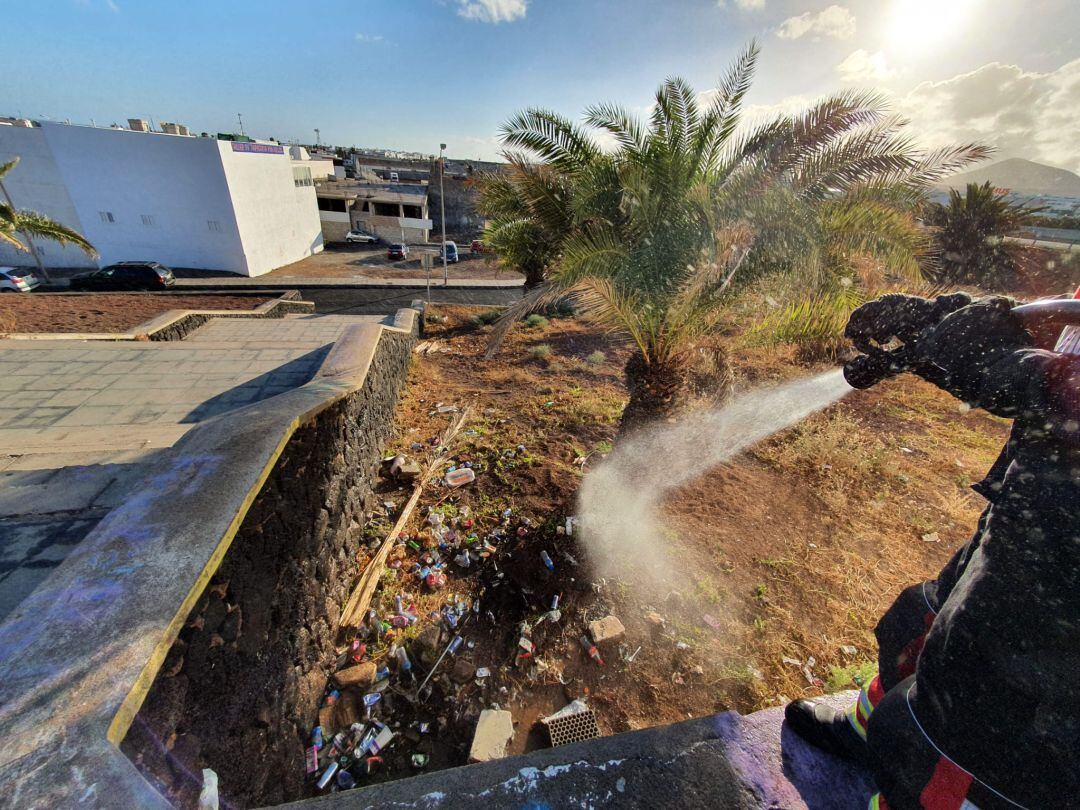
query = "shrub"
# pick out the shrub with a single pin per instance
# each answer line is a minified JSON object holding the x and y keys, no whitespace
{"x":815,"y":325}
{"x":475,"y":321}
{"x":536,"y":320}
{"x":540,"y":352}
{"x":490,"y":316}
{"x":596,"y":358}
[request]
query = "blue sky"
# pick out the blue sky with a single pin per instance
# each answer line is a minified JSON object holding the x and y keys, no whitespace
{"x":412,"y":73}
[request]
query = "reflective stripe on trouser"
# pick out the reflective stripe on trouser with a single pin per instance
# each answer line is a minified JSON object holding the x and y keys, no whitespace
{"x":869,"y":697}
{"x":910,"y":769}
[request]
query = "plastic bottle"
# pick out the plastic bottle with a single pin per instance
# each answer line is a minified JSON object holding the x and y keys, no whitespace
{"x":547,"y":561}
{"x":327,"y":775}
{"x":403,"y":660}
{"x":317,"y":738}
{"x":345,"y":780}
{"x":590,"y":648}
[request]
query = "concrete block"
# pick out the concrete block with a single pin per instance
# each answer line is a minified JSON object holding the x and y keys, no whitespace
{"x":493,"y":733}
{"x":607,"y":629}
{"x":362,"y":674}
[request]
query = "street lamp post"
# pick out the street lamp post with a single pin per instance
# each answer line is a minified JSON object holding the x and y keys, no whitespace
{"x":442,"y":211}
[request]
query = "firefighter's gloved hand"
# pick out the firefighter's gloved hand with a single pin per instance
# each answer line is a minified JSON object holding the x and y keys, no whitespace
{"x":894,"y":316}
{"x":959,"y":352}
{"x":904,"y":317}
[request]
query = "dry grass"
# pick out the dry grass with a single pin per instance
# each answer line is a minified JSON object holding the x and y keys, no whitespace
{"x":792,"y":550}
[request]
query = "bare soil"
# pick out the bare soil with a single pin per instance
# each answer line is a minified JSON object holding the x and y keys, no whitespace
{"x":42,"y":312}
{"x":363,"y":261}
{"x":791,"y":551}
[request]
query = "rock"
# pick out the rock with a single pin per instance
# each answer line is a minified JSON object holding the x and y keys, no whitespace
{"x":654,"y":619}
{"x":340,"y":714}
{"x":426,"y":646}
{"x":607,"y":629}
{"x":463,"y":671}
{"x":233,"y":625}
{"x":494,"y":730}
{"x":215,"y":614}
{"x":361,"y":675}
{"x":183,"y":758}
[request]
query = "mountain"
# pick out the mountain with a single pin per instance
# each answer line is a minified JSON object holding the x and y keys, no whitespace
{"x":1021,"y":177}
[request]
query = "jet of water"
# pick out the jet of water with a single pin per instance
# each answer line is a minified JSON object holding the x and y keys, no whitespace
{"x":618,"y":501}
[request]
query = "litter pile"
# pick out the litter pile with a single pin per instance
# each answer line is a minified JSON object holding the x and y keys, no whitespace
{"x":424,"y":651}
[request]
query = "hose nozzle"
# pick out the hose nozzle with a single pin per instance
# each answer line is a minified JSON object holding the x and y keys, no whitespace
{"x":875,"y":365}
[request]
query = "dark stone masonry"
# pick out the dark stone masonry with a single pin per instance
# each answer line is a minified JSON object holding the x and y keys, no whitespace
{"x":240,"y":686}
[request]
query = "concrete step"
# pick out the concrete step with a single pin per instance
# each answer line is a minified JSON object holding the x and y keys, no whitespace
{"x":725,"y":761}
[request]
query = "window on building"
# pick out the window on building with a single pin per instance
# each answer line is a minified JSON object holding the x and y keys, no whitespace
{"x":386,"y":209}
{"x":106,"y":216}
{"x":412,"y":211}
{"x":301,"y":176}
{"x":331,"y":204}
{"x":148,"y":220}
{"x":213,"y":225}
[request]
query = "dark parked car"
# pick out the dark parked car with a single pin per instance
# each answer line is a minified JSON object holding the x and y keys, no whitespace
{"x":397,"y":251}
{"x":125,"y":276}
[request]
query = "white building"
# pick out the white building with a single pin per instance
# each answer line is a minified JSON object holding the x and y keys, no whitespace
{"x":243,"y":207}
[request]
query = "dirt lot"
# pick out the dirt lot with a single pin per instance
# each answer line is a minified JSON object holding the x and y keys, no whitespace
{"x":363,"y":261}
{"x":789,"y":553}
{"x":42,"y":312}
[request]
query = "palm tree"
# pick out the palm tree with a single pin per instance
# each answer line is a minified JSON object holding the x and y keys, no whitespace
{"x":14,"y":221}
{"x":965,"y":231}
{"x":651,"y":237}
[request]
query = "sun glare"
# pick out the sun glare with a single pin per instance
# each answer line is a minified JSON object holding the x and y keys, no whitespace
{"x":919,"y":24}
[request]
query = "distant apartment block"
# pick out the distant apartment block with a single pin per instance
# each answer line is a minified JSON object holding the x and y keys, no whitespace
{"x":242,"y":206}
{"x":394,"y":212}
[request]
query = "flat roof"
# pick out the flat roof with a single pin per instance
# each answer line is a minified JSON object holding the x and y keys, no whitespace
{"x":349,"y":190}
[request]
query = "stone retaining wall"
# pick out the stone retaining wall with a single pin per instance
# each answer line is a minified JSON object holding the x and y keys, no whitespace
{"x":181,"y":328}
{"x":240,"y":685}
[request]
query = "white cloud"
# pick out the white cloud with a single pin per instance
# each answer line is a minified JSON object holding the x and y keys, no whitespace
{"x":112,"y":6}
{"x":835,"y":22}
{"x":864,"y":67}
{"x":745,"y":5}
{"x":1023,"y":114}
{"x":492,"y":11}
{"x":369,"y":38}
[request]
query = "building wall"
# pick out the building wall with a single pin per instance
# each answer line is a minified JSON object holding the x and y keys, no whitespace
{"x":36,"y":184}
{"x":185,"y":202}
{"x":278,"y":222}
{"x":335,"y":225}
{"x":392,"y":229}
{"x":167,"y":195}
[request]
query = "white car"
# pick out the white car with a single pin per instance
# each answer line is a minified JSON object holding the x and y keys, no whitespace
{"x":15,"y":280}
{"x":360,"y":238}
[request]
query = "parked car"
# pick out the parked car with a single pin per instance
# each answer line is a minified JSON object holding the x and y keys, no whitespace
{"x":125,"y":276}
{"x":397,"y":251}
{"x":15,"y":280}
{"x":451,"y":252}
{"x":360,"y":238}
{"x":393,"y":177}
{"x":477,"y":246}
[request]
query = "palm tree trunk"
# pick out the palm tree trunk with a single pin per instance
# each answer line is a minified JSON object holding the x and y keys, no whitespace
{"x":655,"y":390}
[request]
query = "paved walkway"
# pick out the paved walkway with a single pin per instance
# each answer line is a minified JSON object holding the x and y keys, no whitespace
{"x":81,"y":422}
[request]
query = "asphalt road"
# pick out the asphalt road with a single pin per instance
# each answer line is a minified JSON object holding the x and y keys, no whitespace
{"x":385,"y":301}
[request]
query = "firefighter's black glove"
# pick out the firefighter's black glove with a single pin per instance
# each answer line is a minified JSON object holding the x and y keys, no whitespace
{"x":904,"y":317}
{"x":901,"y":317}
{"x":959,"y":353}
